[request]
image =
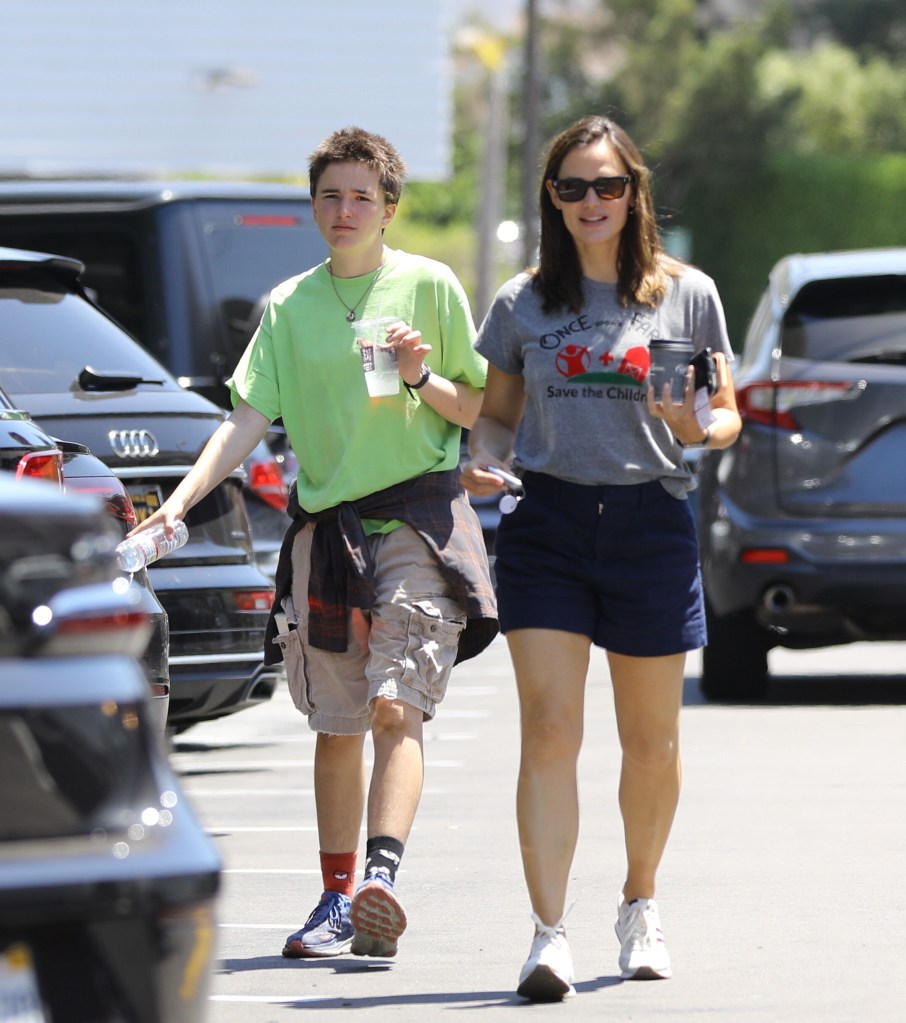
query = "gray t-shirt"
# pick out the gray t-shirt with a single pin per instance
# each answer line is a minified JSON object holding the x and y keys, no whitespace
{"x":586,"y":416}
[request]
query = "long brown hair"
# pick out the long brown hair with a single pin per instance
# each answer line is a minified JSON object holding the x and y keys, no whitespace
{"x":643,"y":268}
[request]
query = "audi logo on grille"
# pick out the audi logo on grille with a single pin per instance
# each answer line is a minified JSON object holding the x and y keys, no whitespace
{"x":133,"y":443}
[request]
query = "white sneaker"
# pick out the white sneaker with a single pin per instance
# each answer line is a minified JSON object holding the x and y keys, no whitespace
{"x":548,"y":972}
{"x":643,"y":950}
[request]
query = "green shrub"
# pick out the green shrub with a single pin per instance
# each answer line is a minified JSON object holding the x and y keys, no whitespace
{"x":795,"y":204}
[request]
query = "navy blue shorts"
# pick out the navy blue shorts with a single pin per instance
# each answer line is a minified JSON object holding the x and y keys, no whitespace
{"x":619,"y":564}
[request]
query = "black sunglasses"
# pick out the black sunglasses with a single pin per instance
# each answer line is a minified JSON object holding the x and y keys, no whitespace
{"x":575,"y":189}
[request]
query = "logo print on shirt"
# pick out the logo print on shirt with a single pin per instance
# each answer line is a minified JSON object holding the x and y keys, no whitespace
{"x":574,"y":363}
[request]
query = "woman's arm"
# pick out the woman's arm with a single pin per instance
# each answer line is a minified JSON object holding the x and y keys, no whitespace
{"x":492,"y":437}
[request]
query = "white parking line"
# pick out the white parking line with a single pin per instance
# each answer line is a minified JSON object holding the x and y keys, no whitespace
{"x":230,"y":766}
{"x":267,"y":999}
{"x":185,"y":762}
{"x":196,"y":793}
{"x":278,"y":870}
{"x":471,"y":691}
{"x":258,"y":830}
{"x":260,"y":927}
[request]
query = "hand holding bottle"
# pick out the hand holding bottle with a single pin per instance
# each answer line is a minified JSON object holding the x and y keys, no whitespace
{"x":149,"y":545}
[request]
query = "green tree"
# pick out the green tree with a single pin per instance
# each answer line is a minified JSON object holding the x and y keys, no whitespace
{"x":865,"y":26}
{"x":837,"y":103}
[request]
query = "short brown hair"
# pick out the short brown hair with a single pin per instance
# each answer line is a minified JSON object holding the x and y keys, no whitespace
{"x":355,"y":145}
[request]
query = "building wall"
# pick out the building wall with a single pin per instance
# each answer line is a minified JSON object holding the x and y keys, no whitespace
{"x":222,"y":87}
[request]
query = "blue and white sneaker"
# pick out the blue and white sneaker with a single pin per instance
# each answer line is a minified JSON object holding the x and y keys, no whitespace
{"x":327,"y":931}
{"x":378,"y":918}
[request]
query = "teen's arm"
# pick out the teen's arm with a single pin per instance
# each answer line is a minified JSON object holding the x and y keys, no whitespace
{"x":230,"y":444}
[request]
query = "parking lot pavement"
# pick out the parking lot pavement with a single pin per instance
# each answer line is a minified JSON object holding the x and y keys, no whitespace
{"x":781,"y":892}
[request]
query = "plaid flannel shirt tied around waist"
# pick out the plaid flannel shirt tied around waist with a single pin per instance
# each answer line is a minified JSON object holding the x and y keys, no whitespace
{"x":342,"y":572}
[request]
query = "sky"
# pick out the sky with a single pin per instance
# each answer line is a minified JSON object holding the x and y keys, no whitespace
{"x":499,"y":13}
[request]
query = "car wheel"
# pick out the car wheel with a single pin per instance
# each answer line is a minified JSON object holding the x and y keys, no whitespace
{"x":735,"y":661}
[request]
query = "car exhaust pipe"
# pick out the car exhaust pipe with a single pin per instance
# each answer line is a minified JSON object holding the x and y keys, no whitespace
{"x":778,"y":598}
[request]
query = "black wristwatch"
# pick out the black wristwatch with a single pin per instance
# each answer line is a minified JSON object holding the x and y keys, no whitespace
{"x":703,"y":443}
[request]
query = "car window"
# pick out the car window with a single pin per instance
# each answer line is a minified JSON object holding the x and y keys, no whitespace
{"x":48,"y":335}
{"x":251,"y":247}
{"x":111,"y":261}
{"x":861,"y":319}
{"x":759,"y":325}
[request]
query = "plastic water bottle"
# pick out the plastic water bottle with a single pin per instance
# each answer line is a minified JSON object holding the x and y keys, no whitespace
{"x":143,"y":548}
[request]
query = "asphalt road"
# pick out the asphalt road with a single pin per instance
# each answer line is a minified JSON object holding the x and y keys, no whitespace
{"x":782,"y":892}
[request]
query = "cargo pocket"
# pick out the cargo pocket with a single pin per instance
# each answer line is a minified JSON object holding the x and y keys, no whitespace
{"x":289,"y":640}
{"x":432,"y":643}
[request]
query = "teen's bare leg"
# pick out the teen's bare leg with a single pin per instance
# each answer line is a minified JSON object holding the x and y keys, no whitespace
{"x":398,"y":772}
{"x":551,"y":668}
{"x":339,"y":791}
{"x":648,"y":695}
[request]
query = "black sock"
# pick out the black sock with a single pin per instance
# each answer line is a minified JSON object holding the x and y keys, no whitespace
{"x":382,"y":856}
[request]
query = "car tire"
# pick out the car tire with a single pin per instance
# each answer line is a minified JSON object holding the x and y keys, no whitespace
{"x":735,"y":661}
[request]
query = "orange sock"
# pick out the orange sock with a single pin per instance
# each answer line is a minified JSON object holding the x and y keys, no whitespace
{"x":338,"y":872}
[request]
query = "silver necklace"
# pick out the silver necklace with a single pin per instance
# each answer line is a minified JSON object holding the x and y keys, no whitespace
{"x":351,"y":310}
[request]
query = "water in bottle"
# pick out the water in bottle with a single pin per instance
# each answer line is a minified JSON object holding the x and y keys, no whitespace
{"x":149,"y":545}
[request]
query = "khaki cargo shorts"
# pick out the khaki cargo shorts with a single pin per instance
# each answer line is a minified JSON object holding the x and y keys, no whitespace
{"x":406,"y":655}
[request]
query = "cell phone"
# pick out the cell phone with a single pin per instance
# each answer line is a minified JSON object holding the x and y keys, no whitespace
{"x":511,"y":481}
{"x":705,"y":371}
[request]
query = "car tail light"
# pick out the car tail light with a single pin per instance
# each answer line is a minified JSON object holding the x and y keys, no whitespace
{"x":764,"y":556}
{"x":98,"y":618}
{"x":775,"y":404}
{"x":266,"y":220}
{"x":253,"y":600}
{"x":111,"y":491}
{"x":266,"y":481}
{"x":103,"y":622}
{"x":42,"y":465}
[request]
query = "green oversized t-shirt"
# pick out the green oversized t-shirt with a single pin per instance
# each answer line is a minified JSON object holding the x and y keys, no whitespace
{"x":303,"y":364}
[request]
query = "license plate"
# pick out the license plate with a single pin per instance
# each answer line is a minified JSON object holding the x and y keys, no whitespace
{"x":146,"y":501}
{"x":20,"y":1000}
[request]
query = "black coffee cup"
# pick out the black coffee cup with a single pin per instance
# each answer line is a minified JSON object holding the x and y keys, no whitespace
{"x":670,"y":360}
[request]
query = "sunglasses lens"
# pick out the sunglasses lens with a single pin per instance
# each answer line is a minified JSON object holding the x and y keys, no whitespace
{"x":610,"y":188}
{"x":570,"y":189}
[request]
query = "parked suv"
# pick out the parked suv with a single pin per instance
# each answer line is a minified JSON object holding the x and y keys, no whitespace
{"x":803,"y":521}
{"x":83,"y":379}
{"x":108,"y":884}
{"x":184,"y":266}
{"x":28,"y":452}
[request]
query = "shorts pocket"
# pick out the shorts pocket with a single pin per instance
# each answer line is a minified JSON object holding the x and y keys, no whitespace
{"x":432,"y":644}
{"x":417,"y":646}
{"x":296,"y":676}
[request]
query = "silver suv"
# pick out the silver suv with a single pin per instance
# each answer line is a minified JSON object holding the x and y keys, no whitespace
{"x":803,"y":522}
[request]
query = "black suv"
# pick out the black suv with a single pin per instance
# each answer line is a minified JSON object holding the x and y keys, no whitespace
{"x":83,"y":379}
{"x":803,"y":521}
{"x":184,"y":266}
{"x":28,"y":452}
